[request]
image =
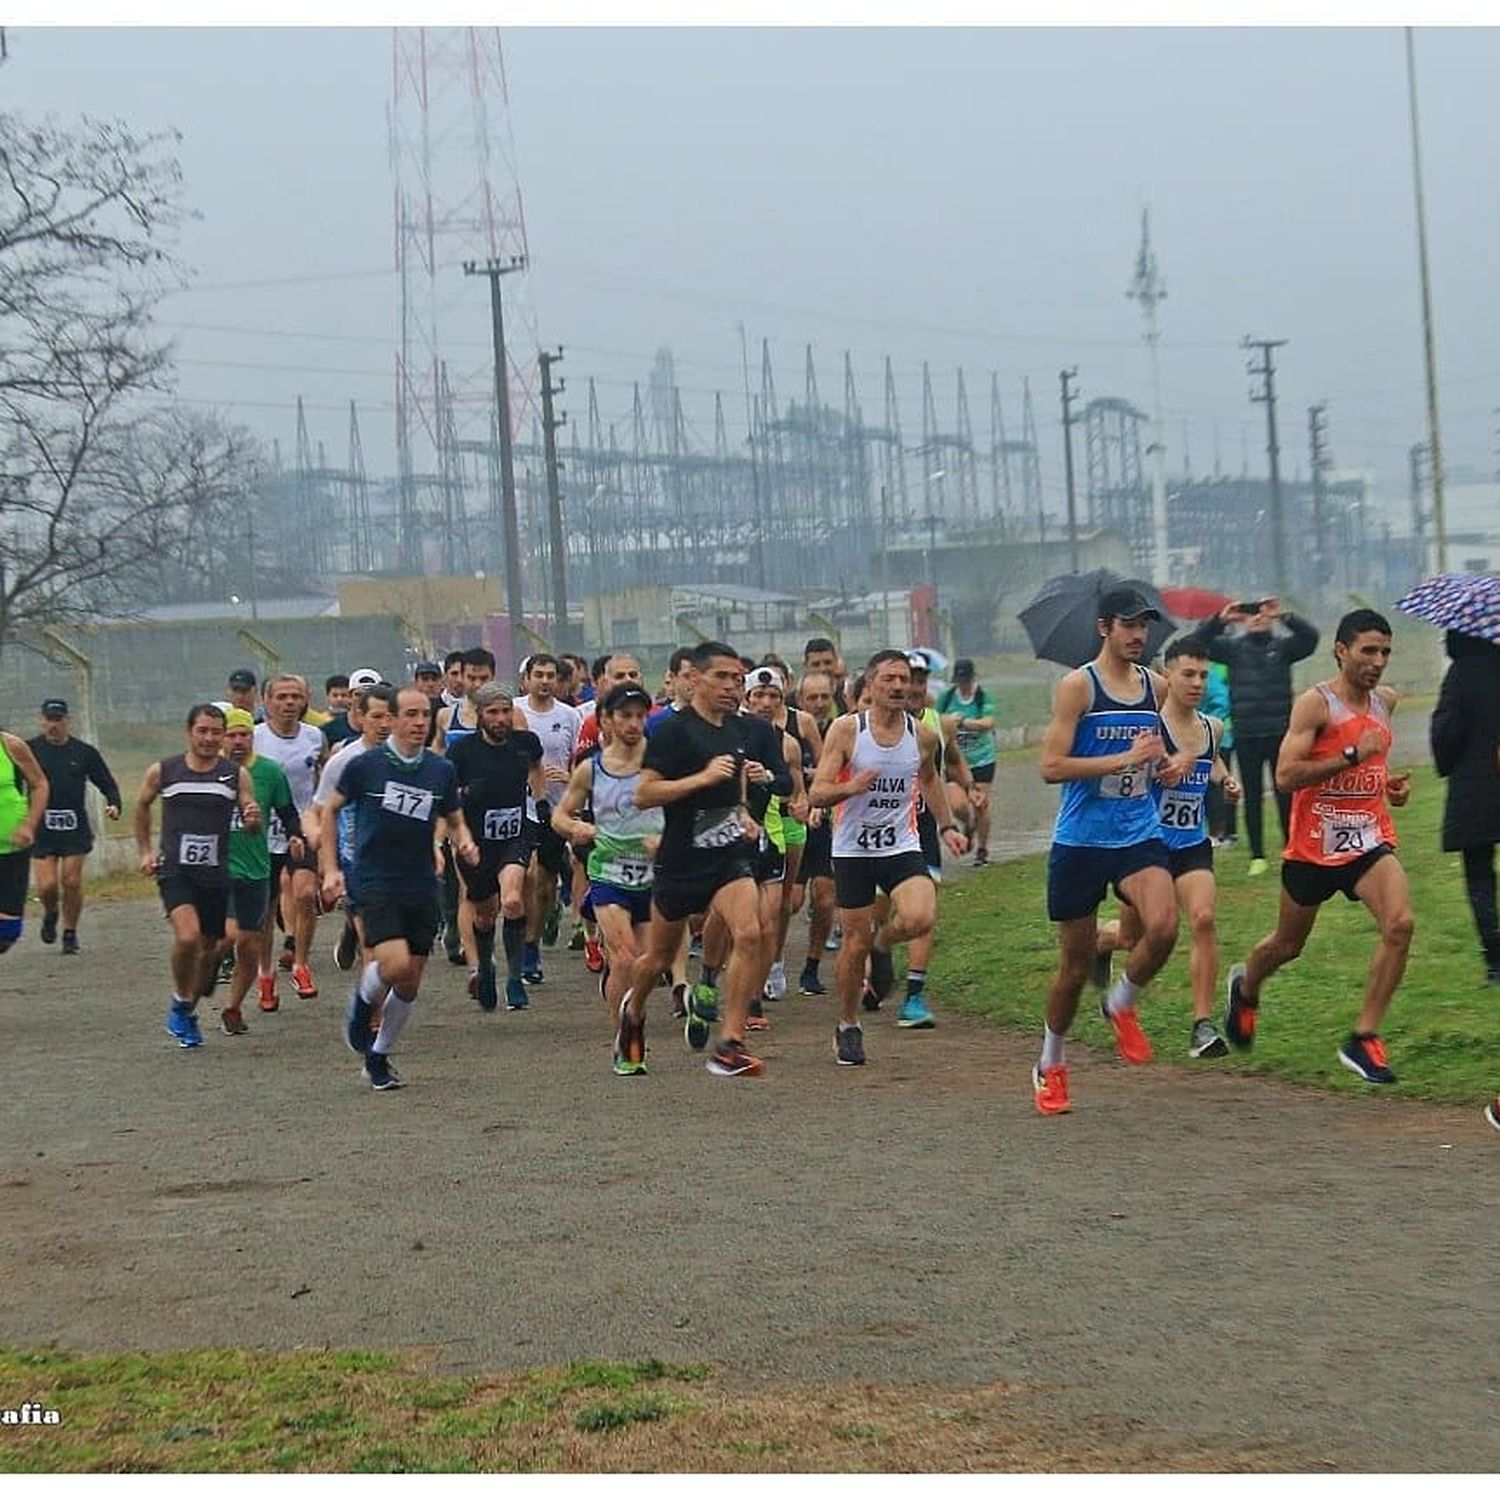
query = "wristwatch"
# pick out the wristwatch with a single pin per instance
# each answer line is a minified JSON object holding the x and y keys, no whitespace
{"x":1351,"y":754}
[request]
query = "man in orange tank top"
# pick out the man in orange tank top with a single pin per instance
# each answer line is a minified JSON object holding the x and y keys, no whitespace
{"x":1333,"y":762}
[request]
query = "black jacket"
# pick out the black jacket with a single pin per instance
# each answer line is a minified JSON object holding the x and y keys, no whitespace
{"x":1260,"y":671}
{"x":1465,"y":734}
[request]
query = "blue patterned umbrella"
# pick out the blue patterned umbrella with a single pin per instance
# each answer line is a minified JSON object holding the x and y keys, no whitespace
{"x":1466,"y":602}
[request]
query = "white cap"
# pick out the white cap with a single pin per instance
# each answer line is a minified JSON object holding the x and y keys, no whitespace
{"x":764,"y":677}
{"x":365,"y":677}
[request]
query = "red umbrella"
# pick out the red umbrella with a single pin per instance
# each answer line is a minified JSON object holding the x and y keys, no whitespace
{"x":1193,"y":604}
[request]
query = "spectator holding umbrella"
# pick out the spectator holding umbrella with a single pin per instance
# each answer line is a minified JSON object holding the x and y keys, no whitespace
{"x":1260,"y":660}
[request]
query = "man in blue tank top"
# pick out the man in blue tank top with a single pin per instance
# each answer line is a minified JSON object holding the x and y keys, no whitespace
{"x":1103,"y":748}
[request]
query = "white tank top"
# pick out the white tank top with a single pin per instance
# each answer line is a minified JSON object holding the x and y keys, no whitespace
{"x":883,"y":820}
{"x":298,"y":755}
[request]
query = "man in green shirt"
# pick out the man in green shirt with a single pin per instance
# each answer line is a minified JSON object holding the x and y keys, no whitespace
{"x":250,"y":863}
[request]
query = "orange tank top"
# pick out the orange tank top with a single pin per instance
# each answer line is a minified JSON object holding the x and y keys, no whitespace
{"x":1344,"y":818}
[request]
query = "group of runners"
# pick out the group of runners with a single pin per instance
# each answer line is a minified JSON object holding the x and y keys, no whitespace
{"x":698,"y":826}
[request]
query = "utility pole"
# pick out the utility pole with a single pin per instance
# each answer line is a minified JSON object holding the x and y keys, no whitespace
{"x":1321,"y":462}
{"x":550,"y":424}
{"x":1068,"y":394}
{"x":495,"y":269}
{"x":1266,"y":396}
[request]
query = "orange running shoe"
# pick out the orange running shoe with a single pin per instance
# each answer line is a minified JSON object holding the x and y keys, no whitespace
{"x":593,"y":955}
{"x":730,"y":1060}
{"x":1130,"y":1040}
{"x":754,"y":1022}
{"x":268,"y":1000}
{"x":307,"y":986}
{"x":1050,"y":1088}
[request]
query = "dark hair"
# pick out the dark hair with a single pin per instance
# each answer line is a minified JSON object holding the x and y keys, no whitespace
{"x":478,"y":656}
{"x":199,"y":710}
{"x":706,"y":651}
{"x":1357,"y":622}
{"x":889,"y":654}
{"x":381,"y":692}
{"x":818,"y":643}
{"x":541,"y":659}
{"x":678,"y":657}
{"x":770,"y":659}
{"x":600,"y":666}
{"x":858,"y":686}
{"x":339,"y":679}
{"x":748,"y":663}
{"x":456,"y":655}
{"x":1189,"y":646}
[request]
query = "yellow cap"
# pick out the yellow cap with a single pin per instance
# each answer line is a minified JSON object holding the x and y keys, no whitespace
{"x":238,"y":718}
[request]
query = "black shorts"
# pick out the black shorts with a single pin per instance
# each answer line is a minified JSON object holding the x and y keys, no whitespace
{"x":1311,"y":885}
{"x":932,"y":843}
{"x":1079,"y":876}
{"x":984,"y":775}
{"x":59,"y":842}
{"x":817,"y":856}
{"x":211,"y":902}
{"x":308,"y":860}
{"x":770,"y":865}
{"x":684,"y":893}
{"x":481,"y":881}
{"x":552,"y":850}
{"x":1199,"y":856}
{"x":388,"y":917}
{"x":248,"y":901}
{"x":855,"y":880}
{"x":15,"y":876}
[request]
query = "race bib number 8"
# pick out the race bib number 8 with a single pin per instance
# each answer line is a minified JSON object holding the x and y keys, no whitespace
{"x":1349,"y":836}
{"x":407,"y":801}
{"x":1132,"y":783}
{"x":1181,"y":812}
{"x":502,"y":823}
{"x":60,"y":819}
{"x":198,"y":851}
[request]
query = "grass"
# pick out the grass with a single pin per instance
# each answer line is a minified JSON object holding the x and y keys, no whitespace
{"x":329,"y":1411}
{"x":1442,"y":1030}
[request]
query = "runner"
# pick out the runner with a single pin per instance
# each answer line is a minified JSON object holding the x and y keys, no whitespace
{"x":242,"y":693}
{"x":250,"y":866}
{"x":340,"y":729}
{"x":1333,"y":761}
{"x":452,"y":724}
{"x":1103,"y":740}
{"x":200,"y":791}
{"x":21,"y":814}
{"x":400,"y":794}
{"x":64,"y":840}
{"x":622,"y":840}
{"x":697,"y":770}
{"x":1182,"y":813}
{"x":453,"y":678}
{"x":873,"y":767}
{"x":499,"y":773}
{"x":967,"y":712}
{"x":556,"y":725}
{"x":821,"y":656}
{"x":815,"y":875}
{"x":299,"y":750}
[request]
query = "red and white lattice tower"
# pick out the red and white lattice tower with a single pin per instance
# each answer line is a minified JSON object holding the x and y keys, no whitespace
{"x":457,"y":199}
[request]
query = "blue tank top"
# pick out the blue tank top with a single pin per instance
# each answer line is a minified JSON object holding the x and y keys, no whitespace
{"x":1180,"y":807}
{"x":1114,"y":811}
{"x":457,"y":729}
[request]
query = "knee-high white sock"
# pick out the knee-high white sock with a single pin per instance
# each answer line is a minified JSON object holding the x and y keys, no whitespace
{"x":371,"y":985}
{"x":392,"y":1019}
{"x":1122,"y":996}
{"x":1052,"y":1048}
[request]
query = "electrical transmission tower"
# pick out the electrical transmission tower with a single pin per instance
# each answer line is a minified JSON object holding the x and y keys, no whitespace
{"x":457,"y":199}
{"x":1148,"y":288}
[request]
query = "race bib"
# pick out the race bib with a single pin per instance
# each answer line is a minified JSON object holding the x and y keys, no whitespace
{"x":1135,"y":782}
{"x":718,"y":828}
{"x":1182,"y":812}
{"x":502,"y":823}
{"x":60,"y":820}
{"x":874,"y":837}
{"x":198,"y":851}
{"x":630,"y":874}
{"x":407,"y":801}
{"x":1348,"y":835}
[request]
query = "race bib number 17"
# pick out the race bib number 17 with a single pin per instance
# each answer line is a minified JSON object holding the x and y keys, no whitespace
{"x":407,"y":801}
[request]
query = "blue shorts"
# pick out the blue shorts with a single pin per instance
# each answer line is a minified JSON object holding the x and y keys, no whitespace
{"x":637,"y":903}
{"x":1079,"y":877}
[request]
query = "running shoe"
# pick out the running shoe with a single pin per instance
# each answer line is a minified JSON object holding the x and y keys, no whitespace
{"x":577,"y":940}
{"x":456,"y":956}
{"x":531,"y":964}
{"x":226,"y":965}
{"x":516,"y":997}
{"x":1257,"y":867}
{"x":630,"y":1044}
{"x":379,"y":1073}
{"x":593,"y":955}
{"x":1130,"y":1041}
{"x":1049,"y":1086}
{"x":551,"y":924}
{"x":882,"y":972}
{"x":485,"y":991}
{"x":776,"y":981}
{"x":1365,"y":1055}
{"x":730,"y":1060}
{"x":695,"y":945}
{"x":1206,"y":1041}
{"x":306,"y":985}
{"x":679,"y":1002}
{"x":71,"y":949}
{"x":180,"y":1027}
{"x":49,"y":927}
{"x":1492,"y":1113}
{"x":1102,"y":970}
{"x":191,"y":1017}
{"x":835,"y":941}
{"x":268,"y":1001}
{"x":756,"y":1019}
{"x":232,"y":1021}
{"x":473,"y":984}
{"x":703,"y":1011}
{"x":346,"y":950}
{"x":284,"y":958}
{"x":914,"y":1014}
{"x":981,"y":857}
{"x":868,"y":999}
{"x":357,"y":1016}
{"x":810,"y":984}
{"x":1239,"y":1013}
{"x":849,"y":1046}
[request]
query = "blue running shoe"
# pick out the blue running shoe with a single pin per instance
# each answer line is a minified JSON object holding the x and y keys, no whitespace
{"x":516,"y":997}
{"x":357,"y":1024}
{"x":531,"y":964}
{"x":379,"y":1073}
{"x":485,"y":992}
{"x":914,"y":1014}
{"x":182,"y":1027}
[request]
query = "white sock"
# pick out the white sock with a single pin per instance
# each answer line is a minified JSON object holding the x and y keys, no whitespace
{"x":392,"y":1019}
{"x":1052,"y":1048}
{"x":1122,"y":996}
{"x":849,"y":1026}
{"x":371,"y":985}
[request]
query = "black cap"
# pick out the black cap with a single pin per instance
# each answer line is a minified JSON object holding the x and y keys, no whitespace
{"x":963,"y":669}
{"x":242,"y":677}
{"x":427,"y":669}
{"x":1126,"y":604}
{"x":626,"y":692}
{"x":54,"y":708}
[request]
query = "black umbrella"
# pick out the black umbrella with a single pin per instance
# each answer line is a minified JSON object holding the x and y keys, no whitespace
{"x":1063,"y":619}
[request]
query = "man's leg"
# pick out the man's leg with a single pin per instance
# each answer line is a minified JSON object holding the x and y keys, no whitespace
{"x":451,"y":891}
{"x":1385,"y":891}
{"x":913,"y":920}
{"x":1278,"y":948}
{"x":716,"y":947}
{"x":1252,"y":758}
{"x":663,"y":937}
{"x":1479,"y":883}
{"x":622,"y":947}
{"x":48,"y":889}
{"x":72,"y":893}
{"x":1196,"y":893}
{"x":820,"y":917}
{"x":513,"y":932}
{"x":737,"y":905}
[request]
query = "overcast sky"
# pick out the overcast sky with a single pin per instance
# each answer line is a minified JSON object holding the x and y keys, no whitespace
{"x":964,"y":197}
